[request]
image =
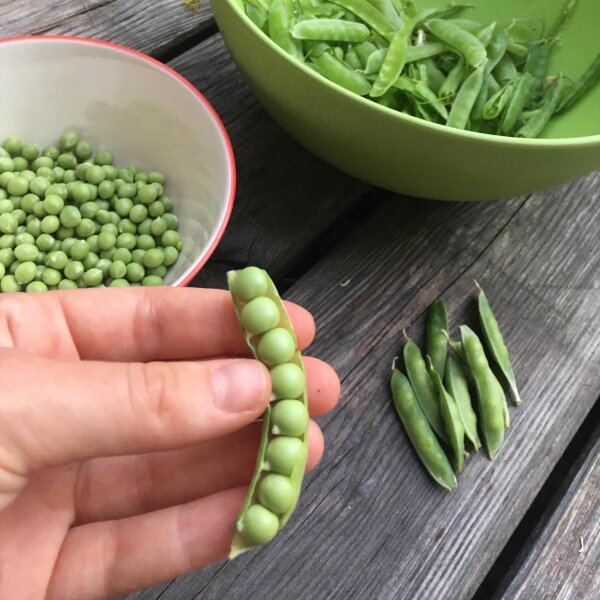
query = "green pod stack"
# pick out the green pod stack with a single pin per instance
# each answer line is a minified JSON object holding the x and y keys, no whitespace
{"x":277,"y":480}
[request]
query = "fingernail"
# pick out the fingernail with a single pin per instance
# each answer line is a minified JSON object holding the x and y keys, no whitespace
{"x":240,"y":386}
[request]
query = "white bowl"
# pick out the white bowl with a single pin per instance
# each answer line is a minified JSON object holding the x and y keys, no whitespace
{"x":142,"y":110}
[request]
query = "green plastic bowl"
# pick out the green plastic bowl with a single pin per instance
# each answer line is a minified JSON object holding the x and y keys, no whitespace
{"x":410,"y":156}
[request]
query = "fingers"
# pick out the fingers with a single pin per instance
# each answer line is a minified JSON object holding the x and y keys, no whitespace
{"x":111,"y":488}
{"x":105,"y":559}
{"x":83,"y":409}
{"x":125,"y":486}
{"x":134,"y":324}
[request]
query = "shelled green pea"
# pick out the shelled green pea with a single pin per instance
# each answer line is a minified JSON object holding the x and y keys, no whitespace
{"x":74,"y":212}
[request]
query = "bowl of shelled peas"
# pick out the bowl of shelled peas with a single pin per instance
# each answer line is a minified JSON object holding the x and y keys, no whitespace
{"x":114,"y":170}
{"x":447,"y":100}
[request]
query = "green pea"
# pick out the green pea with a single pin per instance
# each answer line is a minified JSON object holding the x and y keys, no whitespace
{"x":260,"y":525}
{"x":289,"y":417}
{"x":106,"y":189}
{"x":106,"y":240}
{"x":138,"y":213}
{"x":67,"y":244}
{"x":57,"y":259}
{"x":67,"y":161}
{"x":69,"y":176}
{"x":29,"y":175}
{"x":79,"y":250}
{"x":26,"y":252}
{"x":127,"y":190}
{"x":145,"y":242}
{"x":16,"y":202}
{"x":276,"y":493}
{"x":27,"y":203}
{"x":145,"y":227}
{"x":7,"y":257}
{"x":167,"y":202}
{"x":248,"y":284}
{"x":93,"y":277}
{"x":171,"y":256}
{"x":2,"y":270}
{"x":53,"y":204}
{"x":86,"y":228}
{"x":6,"y":206}
{"x":30,"y":152}
{"x":276,"y":346}
{"x":118,"y":269}
{"x":74,"y":270}
{"x":45,"y":242}
{"x":57,"y":189}
{"x":7,"y":240}
{"x":115,"y":219}
{"x":126,"y":226}
{"x":111,"y":228}
{"x":259,"y":315}
{"x":90,"y":261}
{"x":64,"y":232}
{"x":95,"y":175}
{"x":81,"y":192}
{"x":9,"y":284}
{"x":69,"y":140}
{"x":13,"y":145}
{"x":50,"y":224}
{"x":19,"y":215}
{"x":126,"y":240}
{"x":83,"y":150}
{"x":141,"y":177}
{"x":70,"y":216}
{"x":135,"y":272}
{"x":137,"y":256}
{"x":152,"y":280}
{"x":119,"y":283}
{"x":88,"y":210}
{"x":283,"y":453}
{"x":109,"y":254}
{"x":110,"y":171}
{"x":20,"y":164}
{"x":158,"y":271}
{"x":147,"y":194}
{"x":123,"y":206}
{"x":18,"y":186}
{"x":123,"y":255}
{"x":103,"y":216}
{"x":46,"y":173}
{"x":14,"y":266}
{"x":34,"y":227}
{"x":157,"y":209}
{"x":25,"y":272}
{"x":24,"y":238}
{"x":154,"y":257}
{"x":172,"y":221}
{"x":156,"y":177}
{"x":67,"y":284}
{"x":8,"y":223}
{"x":43,"y":162}
{"x":104,"y":157}
{"x":51,"y":276}
{"x":288,"y":380}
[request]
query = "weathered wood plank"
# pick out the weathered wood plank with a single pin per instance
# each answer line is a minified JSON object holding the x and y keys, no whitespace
{"x":151,"y":26}
{"x":564,"y":561}
{"x":286,"y":197}
{"x":370,"y":523}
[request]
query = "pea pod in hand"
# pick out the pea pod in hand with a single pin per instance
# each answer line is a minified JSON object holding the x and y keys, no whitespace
{"x":277,"y":479}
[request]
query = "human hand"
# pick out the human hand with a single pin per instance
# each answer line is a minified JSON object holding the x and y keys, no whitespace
{"x":118,"y":471}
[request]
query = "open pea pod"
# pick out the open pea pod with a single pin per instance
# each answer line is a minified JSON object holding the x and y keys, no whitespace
{"x":277,"y":480}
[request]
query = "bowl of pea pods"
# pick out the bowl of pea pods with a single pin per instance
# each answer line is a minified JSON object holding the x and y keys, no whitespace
{"x":445,"y":100}
{"x":114,"y":170}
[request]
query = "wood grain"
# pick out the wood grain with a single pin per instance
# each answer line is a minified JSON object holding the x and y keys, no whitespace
{"x":564,"y":561}
{"x":370,"y":523}
{"x":151,"y":26}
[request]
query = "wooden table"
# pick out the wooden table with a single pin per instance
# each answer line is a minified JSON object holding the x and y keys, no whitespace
{"x":370,"y":524}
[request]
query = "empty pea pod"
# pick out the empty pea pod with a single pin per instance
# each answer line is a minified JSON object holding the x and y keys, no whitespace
{"x":465,"y":43}
{"x":417,"y":372}
{"x":455,"y":430}
{"x":495,"y":343}
{"x":420,"y":432}
{"x":496,"y":104}
{"x":330,"y":30}
{"x":281,"y":461}
{"x":456,"y":382}
{"x":437,"y":343}
{"x":491,"y":410}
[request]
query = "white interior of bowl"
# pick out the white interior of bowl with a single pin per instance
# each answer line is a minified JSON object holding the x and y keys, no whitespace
{"x":141,"y":111}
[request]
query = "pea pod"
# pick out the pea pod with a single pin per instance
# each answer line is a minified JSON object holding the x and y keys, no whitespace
{"x":280,"y":22}
{"x":337,"y":71}
{"x":465,"y":43}
{"x":495,"y":343}
{"x":491,"y":409}
{"x":589,"y":79}
{"x":330,"y":30}
{"x":370,"y":15}
{"x":548,"y":107}
{"x":386,"y":8}
{"x":419,"y":431}
{"x":522,"y":96}
{"x":457,"y":385}
{"x":281,"y":461}
{"x":437,"y":343}
{"x":454,"y":80}
{"x":394,"y":60}
{"x":425,"y":392}
{"x":455,"y":430}
{"x":465,"y":100}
